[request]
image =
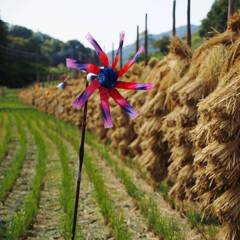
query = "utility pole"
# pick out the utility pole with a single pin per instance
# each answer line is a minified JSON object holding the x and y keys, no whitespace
{"x":112,"y":52}
{"x":137,"y":42}
{"x":189,"y":34}
{"x":174,"y":18}
{"x":146,"y":42}
{"x":231,"y":7}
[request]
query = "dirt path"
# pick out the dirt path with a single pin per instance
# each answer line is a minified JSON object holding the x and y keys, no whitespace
{"x":48,"y":224}
{"x":123,"y":202}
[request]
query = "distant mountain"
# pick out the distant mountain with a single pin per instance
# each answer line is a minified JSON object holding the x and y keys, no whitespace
{"x":129,"y":49}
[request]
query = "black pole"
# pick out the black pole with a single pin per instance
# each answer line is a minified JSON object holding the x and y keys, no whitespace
{"x":112,"y":52}
{"x":137,"y":41}
{"x":189,"y":34}
{"x":174,"y":18}
{"x":146,"y":42}
{"x":121,"y":58}
{"x":81,"y":157}
{"x":231,"y":7}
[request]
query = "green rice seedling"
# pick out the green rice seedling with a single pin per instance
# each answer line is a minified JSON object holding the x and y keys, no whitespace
{"x":120,"y":229}
{"x":12,"y":173}
{"x":24,"y":216}
{"x":160,"y":224}
{"x":67,"y":186}
{"x":6,"y":136}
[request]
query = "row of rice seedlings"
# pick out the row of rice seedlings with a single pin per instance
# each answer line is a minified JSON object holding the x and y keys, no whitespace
{"x":168,"y":228}
{"x":24,"y":216}
{"x":208,"y":228}
{"x":119,"y":227}
{"x":6,"y":135}
{"x":160,"y":224}
{"x":11,"y":174}
{"x":67,"y":186}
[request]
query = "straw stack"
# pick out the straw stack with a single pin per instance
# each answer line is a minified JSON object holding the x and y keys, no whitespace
{"x":150,"y":151}
{"x":206,"y":73}
{"x":217,"y":148}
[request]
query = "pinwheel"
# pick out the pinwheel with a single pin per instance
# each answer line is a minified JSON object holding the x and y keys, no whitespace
{"x":106,"y":80}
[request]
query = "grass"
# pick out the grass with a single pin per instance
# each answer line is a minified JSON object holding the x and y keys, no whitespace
{"x":12,"y":173}
{"x":67,"y":186}
{"x":119,"y":227}
{"x":160,"y":224}
{"x":24,"y":216}
{"x":6,"y":135}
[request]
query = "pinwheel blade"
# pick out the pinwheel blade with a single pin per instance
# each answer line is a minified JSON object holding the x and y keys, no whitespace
{"x":74,"y":64}
{"x":81,"y":99}
{"x":107,"y":119}
{"x":116,"y":59}
{"x":134,"y":86}
{"x":131,"y":62}
{"x":101,"y":54}
{"x":121,"y":101}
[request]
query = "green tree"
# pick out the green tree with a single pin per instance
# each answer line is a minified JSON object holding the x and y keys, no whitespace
{"x":3,"y":33}
{"x":163,"y":44}
{"x":216,"y":18}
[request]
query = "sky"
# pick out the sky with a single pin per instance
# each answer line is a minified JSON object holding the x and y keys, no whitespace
{"x":104,"y":19}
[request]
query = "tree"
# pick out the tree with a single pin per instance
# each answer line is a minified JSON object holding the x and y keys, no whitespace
{"x":163,"y":44}
{"x":3,"y":32}
{"x":18,"y":31}
{"x":216,"y":18}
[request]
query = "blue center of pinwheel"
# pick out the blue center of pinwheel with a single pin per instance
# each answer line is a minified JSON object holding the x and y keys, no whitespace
{"x":107,"y":77}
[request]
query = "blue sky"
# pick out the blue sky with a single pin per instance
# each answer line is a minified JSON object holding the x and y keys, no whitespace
{"x":104,"y":19}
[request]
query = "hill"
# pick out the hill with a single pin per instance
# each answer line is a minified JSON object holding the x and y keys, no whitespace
{"x":129,"y":49}
{"x":27,"y":56}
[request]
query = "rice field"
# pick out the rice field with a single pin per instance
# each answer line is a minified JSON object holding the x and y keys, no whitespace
{"x":38,"y":162}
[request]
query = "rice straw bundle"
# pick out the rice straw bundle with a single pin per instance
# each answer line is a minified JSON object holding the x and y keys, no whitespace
{"x":164,"y":74}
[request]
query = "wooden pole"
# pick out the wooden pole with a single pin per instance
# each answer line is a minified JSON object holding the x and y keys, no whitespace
{"x":112,"y":52}
{"x":174,"y":18}
{"x":81,"y":157}
{"x":231,"y":7}
{"x":121,"y":59}
{"x":189,"y":34}
{"x":146,"y":42}
{"x":137,"y":41}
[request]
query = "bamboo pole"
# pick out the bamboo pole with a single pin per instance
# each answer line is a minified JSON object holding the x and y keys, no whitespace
{"x":137,"y":41}
{"x":146,"y":42}
{"x":231,"y":7}
{"x":112,"y":52}
{"x":121,"y":58}
{"x":189,"y":34}
{"x":174,"y":18}
{"x":79,"y":176}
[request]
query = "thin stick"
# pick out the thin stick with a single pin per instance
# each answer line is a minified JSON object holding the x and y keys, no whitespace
{"x":231,"y":7}
{"x":189,"y":34}
{"x":174,"y":18}
{"x":146,"y":42}
{"x":137,"y":41}
{"x":81,"y":157}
